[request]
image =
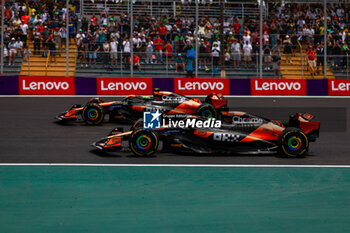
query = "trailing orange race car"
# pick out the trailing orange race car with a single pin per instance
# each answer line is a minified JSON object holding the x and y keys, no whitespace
{"x":132,"y":107}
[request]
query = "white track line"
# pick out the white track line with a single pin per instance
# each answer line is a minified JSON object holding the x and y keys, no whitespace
{"x":200,"y":96}
{"x":174,"y":165}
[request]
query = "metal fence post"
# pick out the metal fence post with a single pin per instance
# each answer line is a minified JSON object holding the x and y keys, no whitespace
{"x":257,"y":64}
{"x":131,"y":39}
{"x":67,"y":38}
{"x":29,"y":65}
{"x":196,"y":38}
{"x":347,"y":65}
{"x":212,"y":65}
{"x":2,"y":36}
{"x":302,"y":65}
{"x":166,"y":64}
{"x":261,"y":40}
{"x":325,"y":37}
{"x":121,"y":63}
{"x":243,"y":13}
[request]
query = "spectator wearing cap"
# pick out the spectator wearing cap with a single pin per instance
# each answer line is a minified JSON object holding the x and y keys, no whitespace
{"x":256,"y":52}
{"x":267,"y":54}
{"x":168,"y":48}
{"x":126,"y":51}
{"x":215,"y":52}
{"x":51,"y":44}
{"x":26,"y":53}
{"x":203,"y":55}
{"x":63,"y":33}
{"x":72,"y":29}
{"x":12,"y":51}
{"x":44,"y":38}
{"x":162,"y":30}
{"x":247,"y":52}
{"x":114,"y":52}
{"x":93,"y":49}
{"x":137,"y":43}
{"x":287,"y":46}
{"x":276,"y":62}
{"x":190,"y":57}
{"x":18,"y":31}
{"x":320,"y":55}
{"x":273,"y":32}
{"x":57,"y":36}
{"x":19,"y":46}
{"x":179,"y":63}
{"x":310,"y":54}
{"x":236,"y":53}
{"x":79,"y":37}
{"x":106,"y":52}
{"x":149,"y":51}
{"x":136,"y":62}
{"x":336,"y":51}
{"x":37,"y":41}
{"x":158,"y":44}
{"x":24,"y":28}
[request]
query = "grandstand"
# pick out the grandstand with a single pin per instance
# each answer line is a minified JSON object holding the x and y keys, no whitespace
{"x":267,"y":39}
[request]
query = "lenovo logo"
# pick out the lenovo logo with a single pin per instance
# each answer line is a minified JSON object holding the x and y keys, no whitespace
{"x":188,"y":86}
{"x":200,"y":85}
{"x":45,"y":85}
{"x":278,"y":87}
{"x":33,"y":85}
{"x":339,"y":87}
{"x":124,"y":86}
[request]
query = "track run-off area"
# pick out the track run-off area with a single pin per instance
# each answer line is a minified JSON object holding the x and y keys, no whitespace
{"x":53,"y":181}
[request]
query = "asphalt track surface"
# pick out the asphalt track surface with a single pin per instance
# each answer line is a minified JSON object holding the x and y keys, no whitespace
{"x":29,"y":134}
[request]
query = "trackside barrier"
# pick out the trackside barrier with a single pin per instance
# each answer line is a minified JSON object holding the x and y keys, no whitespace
{"x":37,"y":85}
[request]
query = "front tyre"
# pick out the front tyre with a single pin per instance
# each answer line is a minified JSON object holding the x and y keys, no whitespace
{"x":293,"y":142}
{"x":143,"y":142}
{"x":93,"y":114}
{"x":207,"y":111}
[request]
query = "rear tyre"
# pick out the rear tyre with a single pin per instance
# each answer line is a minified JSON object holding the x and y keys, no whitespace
{"x":143,"y":142}
{"x":207,"y":111}
{"x":293,"y":142}
{"x":93,"y":114}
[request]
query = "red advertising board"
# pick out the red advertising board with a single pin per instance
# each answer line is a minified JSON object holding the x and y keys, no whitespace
{"x":339,"y":87}
{"x":124,"y":86}
{"x":38,"y":85}
{"x":278,"y":86}
{"x":203,"y":86}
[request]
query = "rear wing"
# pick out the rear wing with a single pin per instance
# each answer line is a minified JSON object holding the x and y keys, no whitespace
{"x":217,"y":100}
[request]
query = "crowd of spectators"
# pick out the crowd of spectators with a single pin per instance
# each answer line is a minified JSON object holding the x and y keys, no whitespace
{"x":171,"y":39}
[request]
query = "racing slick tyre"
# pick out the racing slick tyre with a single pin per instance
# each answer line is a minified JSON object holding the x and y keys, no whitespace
{"x":207,"y":111}
{"x":138,"y":124}
{"x":293,"y":142}
{"x":143,"y":142}
{"x":93,"y":114}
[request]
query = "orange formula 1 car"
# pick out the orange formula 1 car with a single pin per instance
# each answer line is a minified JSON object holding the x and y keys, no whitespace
{"x":235,"y":133}
{"x":132,"y":107}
